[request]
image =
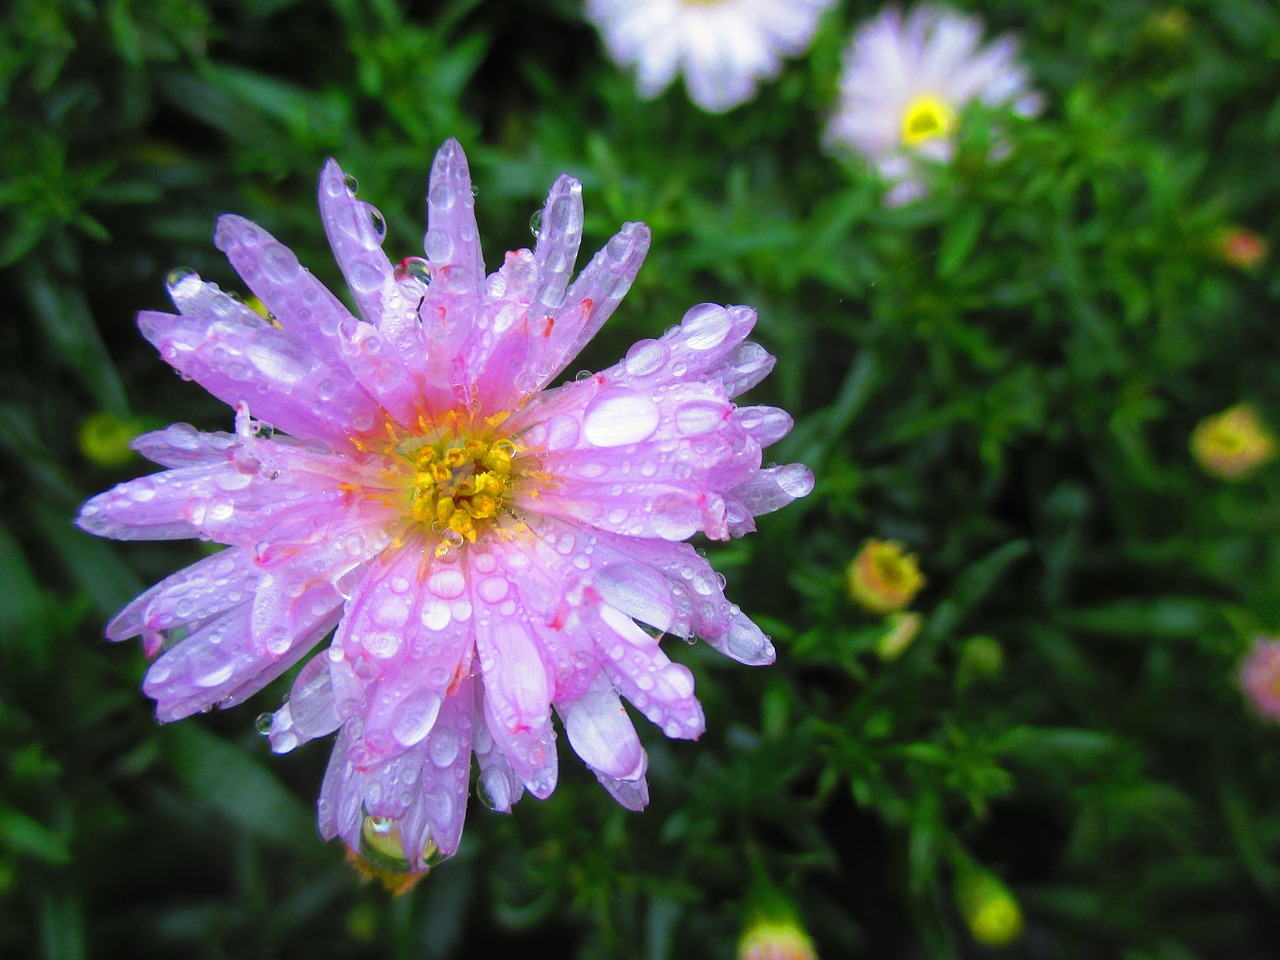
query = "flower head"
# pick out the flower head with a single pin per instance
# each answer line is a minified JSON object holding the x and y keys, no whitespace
{"x":1231,"y":444}
{"x":884,"y":578}
{"x":775,"y":940}
{"x":1260,"y":677}
{"x":990,"y":909}
{"x":1239,"y":247}
{"x":905,"y":82}
{"x":486,"y":546}
{"x":723,"y":47}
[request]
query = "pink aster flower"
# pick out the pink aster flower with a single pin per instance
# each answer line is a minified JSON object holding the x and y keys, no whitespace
{"x":488,"y":547}
{"x":906,"y":81}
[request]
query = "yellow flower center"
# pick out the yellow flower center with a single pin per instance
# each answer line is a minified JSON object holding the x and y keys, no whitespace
{"x":460,"y":481}
{"x":926,"y":117}
{"x":455,"y":476}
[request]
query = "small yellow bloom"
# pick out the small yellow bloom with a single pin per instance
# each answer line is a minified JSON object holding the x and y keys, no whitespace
{"x":883,"y":578}
{"x":988,"y":907}
{"x":901,"y":630}
{"x":775,"y":940}
{"x":1230,"y":444}
{"x":104,"y":440}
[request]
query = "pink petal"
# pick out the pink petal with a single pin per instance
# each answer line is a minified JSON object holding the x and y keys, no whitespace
{"x":660,"y":689}
{"x":286,"y":384}
{"x":350,"y":225}
{"x":600,"y":287}
{"x":218,"y":664}
{"x":452,"y":242}
{"x":402,"y":632}
{"x":182,"y":445}
{"x":601,"y":733}
{"x":559,"y":237}
{"x":517,"y":689}
{"x":441,"y":802}
{"x":198,"y":592}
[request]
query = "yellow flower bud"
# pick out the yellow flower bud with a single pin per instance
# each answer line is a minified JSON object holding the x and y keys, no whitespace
{"x":988,"y":907}
{"x":883,"y":578}
{"x":775,"y":940}
{"x":1230,"y":444}
{"x":901,"y":630}
{"x":104,"y":440}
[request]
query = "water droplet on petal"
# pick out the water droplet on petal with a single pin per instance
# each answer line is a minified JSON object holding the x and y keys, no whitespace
{"x":351,"y":183}
{"x":177,"y":275}
{"x":379,"y":224}
{"x":263,"y":723}
{"x":618,"y":416}
{"x":414,"y":268}
{"x":535,"y":224}
{"x":706,"y":326}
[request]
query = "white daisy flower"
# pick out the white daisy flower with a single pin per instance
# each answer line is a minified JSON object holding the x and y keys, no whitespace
{"x":723,"y":47}
{"x":905,"y":82}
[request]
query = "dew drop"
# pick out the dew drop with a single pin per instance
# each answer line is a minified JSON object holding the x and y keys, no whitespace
{"x":706,"y":326}
{"x":263,"y":723}
{"x":443,"y":748}
{"x":379,"y":224}
{"x":618,"y":416}
{"x":414,"y":268}
{"x":351,"y":183}
{"x":645,"y":357}
{"x":535,"y":224}
{"x":177,"y":275}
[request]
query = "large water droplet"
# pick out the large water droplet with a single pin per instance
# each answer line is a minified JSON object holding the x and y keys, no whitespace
{"x":263,"y":723}
{"x":696,"y":417}
{"x":279,"y":358}
{"x":177,"y":275}
{"x":379,"y":223}
{"x":351,"y":183}
{"x":415,"y":717}
{"x":706,"y":326}
{"x":645,"y":357}
{"x":414,"y":268}
{"x":618,"y":416}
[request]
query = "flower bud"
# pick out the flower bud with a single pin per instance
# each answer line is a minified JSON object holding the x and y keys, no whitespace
{"x":901,"y":629}
{"x":988,"y":907}
{"x":883,"y":578}
{"x":775,"y":940}
{"x":1230,"y":444}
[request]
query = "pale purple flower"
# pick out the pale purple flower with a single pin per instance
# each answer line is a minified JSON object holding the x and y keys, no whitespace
{"x":722,"y":47}
{"x":488,"y":547}
{"x":906,"y":81}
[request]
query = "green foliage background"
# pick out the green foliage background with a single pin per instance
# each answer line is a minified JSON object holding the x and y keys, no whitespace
{"x":1004,"y":377}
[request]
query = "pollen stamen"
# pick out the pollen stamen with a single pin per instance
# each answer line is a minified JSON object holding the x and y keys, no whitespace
{"x":926,"y":117}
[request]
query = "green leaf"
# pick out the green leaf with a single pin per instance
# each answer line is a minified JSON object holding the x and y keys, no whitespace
{"x":25,"y":835}
{"x":230,"y":781}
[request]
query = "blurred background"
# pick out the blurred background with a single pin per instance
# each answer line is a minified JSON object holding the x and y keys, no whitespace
{"x":1045,"y":752}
